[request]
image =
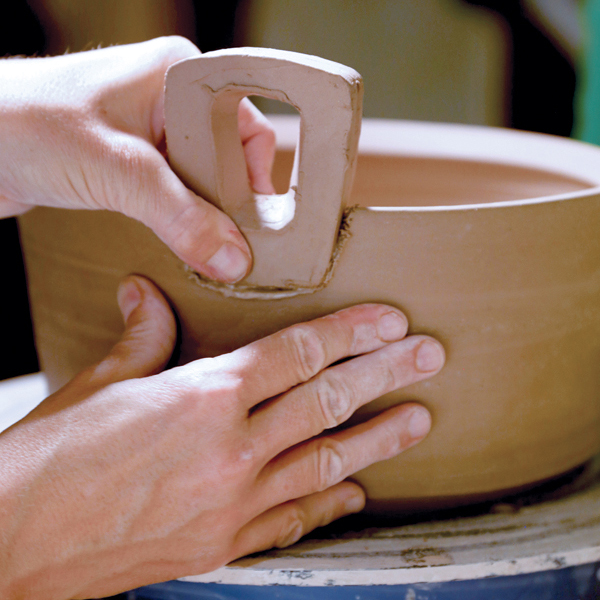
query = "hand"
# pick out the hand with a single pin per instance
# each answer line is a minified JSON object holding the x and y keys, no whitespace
{"x":129,"y":475}
{"x":84,"y":131}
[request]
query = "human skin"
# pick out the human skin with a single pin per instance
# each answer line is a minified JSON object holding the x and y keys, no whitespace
{"x":130,"y":474}
{"x":86,"y":131}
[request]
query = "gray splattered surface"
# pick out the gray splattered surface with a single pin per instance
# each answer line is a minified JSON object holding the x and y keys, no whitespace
{"x":553,"y":529}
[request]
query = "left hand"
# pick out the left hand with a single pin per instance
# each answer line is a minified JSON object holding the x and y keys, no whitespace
{"x":86,"y":131}
{"x":129,"y":475}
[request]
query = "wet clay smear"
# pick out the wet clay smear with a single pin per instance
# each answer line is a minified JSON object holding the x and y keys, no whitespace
{"x":246,"y":292}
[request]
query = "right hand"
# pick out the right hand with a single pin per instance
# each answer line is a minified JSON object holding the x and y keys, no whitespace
{"x":86,"y":131}
{"x":129,"y":475}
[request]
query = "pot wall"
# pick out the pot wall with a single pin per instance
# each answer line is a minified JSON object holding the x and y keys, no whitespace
{"x":511,"y":290}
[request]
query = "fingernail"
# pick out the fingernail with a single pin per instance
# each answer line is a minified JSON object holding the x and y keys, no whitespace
{"x":355,"y":503}
{"x":263,"y":185}
{"x":129,"y":298}
{"x":229,"y":263}
{"x":392,"y":326}
{"x":430,"y":357}
{"x":419,"y":423}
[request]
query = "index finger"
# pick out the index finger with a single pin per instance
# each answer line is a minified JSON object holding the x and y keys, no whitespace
{"x":258,"y":139}
{"x":285,"y":359}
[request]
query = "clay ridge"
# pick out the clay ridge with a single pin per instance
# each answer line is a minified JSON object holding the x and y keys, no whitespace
{"x":246,"y":292}
{"x":256,"y":90}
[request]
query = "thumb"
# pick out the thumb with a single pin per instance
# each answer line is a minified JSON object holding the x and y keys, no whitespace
{"x":196,"y":231}
{"x":203,"y":237}
{"x":149,"y":337}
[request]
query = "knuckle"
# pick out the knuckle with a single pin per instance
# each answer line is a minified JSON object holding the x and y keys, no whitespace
{"x":391,"y":444}
{"x":308,"y":349}
{"x":351,"y":334}
{"x":389,"y":379}
{"x":245,"y":455}
{"x":334,"y":400}
{"x":226,"y":388}
{"x":205,"y":384}
{"x":194,"y":230}
{"x":238,"y":391}
{"x":329,"y":463}
{"x":176,"y":45}
{"x":268,"y":132}
{"x":293,"y":527}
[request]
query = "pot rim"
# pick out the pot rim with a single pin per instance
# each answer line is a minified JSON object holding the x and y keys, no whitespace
{"x":469,"y":143}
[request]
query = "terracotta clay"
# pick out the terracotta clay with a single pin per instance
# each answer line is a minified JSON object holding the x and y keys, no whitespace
{"x":486,"y":238}
{"x":201,"y":105}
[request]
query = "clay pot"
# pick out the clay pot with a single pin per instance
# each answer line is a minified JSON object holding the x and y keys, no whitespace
{"x":488,"y":239}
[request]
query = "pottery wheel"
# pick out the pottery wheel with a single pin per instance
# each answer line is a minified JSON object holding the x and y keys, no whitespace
{"x":548,"y":529}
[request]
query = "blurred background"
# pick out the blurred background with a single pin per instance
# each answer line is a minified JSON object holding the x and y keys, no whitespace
{"x":512,"y":63}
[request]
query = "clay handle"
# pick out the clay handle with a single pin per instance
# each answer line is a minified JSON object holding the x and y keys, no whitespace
{"x":292,"y":235}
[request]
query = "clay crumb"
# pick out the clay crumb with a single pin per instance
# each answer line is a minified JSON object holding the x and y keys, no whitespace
{"x":504,"y":508}
{"x":245,"y":292}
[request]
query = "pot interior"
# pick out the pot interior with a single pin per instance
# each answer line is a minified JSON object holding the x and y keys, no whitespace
{"x":384,"y":180}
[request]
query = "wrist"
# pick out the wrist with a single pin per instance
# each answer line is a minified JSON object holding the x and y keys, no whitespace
{"x":17,"y":80}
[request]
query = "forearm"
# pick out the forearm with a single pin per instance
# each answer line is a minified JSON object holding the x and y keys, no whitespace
{"x":28,"y":519}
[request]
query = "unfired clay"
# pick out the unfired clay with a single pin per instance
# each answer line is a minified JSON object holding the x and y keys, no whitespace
{"x":487,"y":239}
{"x":201,"y":102}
